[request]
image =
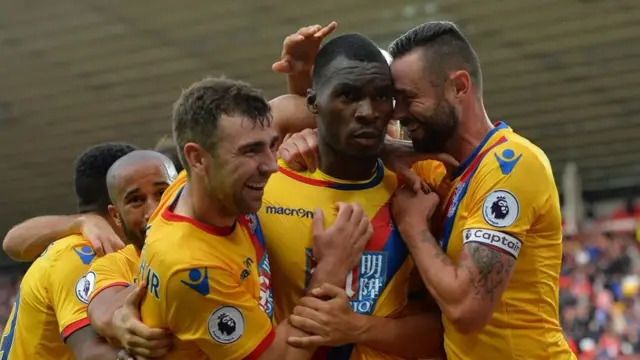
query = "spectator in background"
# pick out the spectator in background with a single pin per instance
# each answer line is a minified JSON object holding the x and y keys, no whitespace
{"x":600,"y":304}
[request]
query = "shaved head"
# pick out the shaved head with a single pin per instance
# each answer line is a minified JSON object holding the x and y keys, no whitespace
{"x":136,"y":183}
{"x":122,"y":168}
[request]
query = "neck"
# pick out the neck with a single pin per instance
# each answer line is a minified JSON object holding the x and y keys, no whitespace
{"x":344,"y":166}
{"x":195,"y":202}
{"x":471,"y":131}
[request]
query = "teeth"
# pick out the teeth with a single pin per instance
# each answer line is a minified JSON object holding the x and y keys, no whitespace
{"x":259,"y":186}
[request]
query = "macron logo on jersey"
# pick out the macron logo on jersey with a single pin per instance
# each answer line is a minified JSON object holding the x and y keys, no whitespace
{"x":496,"y":239}
{"x":507,"y":161}
{"x":281,"y":210}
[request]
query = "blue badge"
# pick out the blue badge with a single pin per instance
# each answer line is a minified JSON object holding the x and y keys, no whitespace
{"x":508,"y":161}
{"x":198,"y":281}
{"x":86,"y":254}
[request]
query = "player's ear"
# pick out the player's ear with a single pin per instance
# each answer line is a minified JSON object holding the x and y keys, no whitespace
{"x":460,"y":83}
{"x":195,"y":156}
{"x":311,"y":101}
{"x":114,"y":215}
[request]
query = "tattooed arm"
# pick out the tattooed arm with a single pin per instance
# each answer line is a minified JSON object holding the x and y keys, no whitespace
{"x":499,"y":210}
{"x":466,"y":292}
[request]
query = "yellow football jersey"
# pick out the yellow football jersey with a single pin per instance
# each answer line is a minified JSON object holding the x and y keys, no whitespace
{"x":378,"y":286}
{"x":209,"y":286}
{"x":51,"y":303}
{"x":504,"y":196}
{"x":116,"y":269}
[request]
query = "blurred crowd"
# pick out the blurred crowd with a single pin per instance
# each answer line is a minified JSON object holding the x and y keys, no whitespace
{"x":599,"y":294}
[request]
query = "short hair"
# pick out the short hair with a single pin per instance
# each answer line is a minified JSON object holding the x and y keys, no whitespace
{"x":352,"y":46}
{"x":90,"y":179}
{"x":199,"y":108}
{"x":167,"y":147}
{"x":446,"y":47}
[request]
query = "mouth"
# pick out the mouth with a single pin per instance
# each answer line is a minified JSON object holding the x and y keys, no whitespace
{"x":256,"y":186}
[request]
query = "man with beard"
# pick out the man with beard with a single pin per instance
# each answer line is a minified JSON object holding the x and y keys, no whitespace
{"x":136,"y":183}
{"x":491,"y":256}
{"x":49,"y":319}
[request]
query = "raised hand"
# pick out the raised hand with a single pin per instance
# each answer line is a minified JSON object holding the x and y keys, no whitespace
{"x":299,"y":50}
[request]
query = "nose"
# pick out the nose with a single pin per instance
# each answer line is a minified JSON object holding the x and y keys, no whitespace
{"x":150,"y":207}
{"x":365,"y":112}
{"x":269,"y":165}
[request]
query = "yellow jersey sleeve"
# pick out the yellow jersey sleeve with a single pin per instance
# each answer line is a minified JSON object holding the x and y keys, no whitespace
{"x":506,"y":197}
{"x":208,"y":307}
{"x":430,"y":171}
{"x":109,"y":271}
{"x":69,"y":286}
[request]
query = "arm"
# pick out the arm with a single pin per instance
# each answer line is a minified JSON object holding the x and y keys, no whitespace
{"x":299,"y":83}
{"x":415,"y":335}
{"x":412,"y":336}
{"x":69,"y":287}
{"x":229,"y":322}
{"x":291,"y":115}
{"x":468,"y":291}
{"x":27,"y":240}
{"x":102,"y":307}
{"x":86,"y":344}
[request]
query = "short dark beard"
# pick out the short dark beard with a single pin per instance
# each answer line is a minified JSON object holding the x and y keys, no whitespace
{"x":439,"y":128}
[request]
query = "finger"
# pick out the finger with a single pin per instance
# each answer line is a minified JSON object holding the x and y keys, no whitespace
{"x":366,"y":237}
{"x":281,"y":67}
{"x":309,"y":30}
{"x":310,"y":302}
{"x":363,"y":226}
{"x":291,"y":40}
{"x":311,"y":139}
{"x":149,"y":334}
{"x":326,"y":31}
{"x":328,"y":290}
{"x":148,"y":350}
{"x":118,"y":244}
{"x":133,"y":299}
{"x":357,"y":214}
{"x":304,"y":149}
{"x":306,"y":325}
{"x":318,"y":221}
{"x":306,"y":342}
{"x":97,"y":246}
{"x":344,"y":212}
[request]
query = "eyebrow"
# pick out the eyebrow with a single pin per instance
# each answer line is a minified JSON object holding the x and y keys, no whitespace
{"x":135,"y":190}
{"x":259,"y":143}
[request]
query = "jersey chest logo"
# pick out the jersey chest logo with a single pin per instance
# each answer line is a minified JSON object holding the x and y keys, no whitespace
{"x":380,"y":261}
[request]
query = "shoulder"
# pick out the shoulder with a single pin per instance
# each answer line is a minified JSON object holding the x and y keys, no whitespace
{"x":172,"y":246}
{"x":520,"y":159}
{"x":69,"y":251}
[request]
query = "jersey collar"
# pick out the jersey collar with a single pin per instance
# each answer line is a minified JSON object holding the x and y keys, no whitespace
{"x":501,"y":125}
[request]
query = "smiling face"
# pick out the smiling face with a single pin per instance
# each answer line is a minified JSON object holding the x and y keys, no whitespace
{"x":236,"y":171}
{"x":421,"y":104}
{"x":354,"y":104}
